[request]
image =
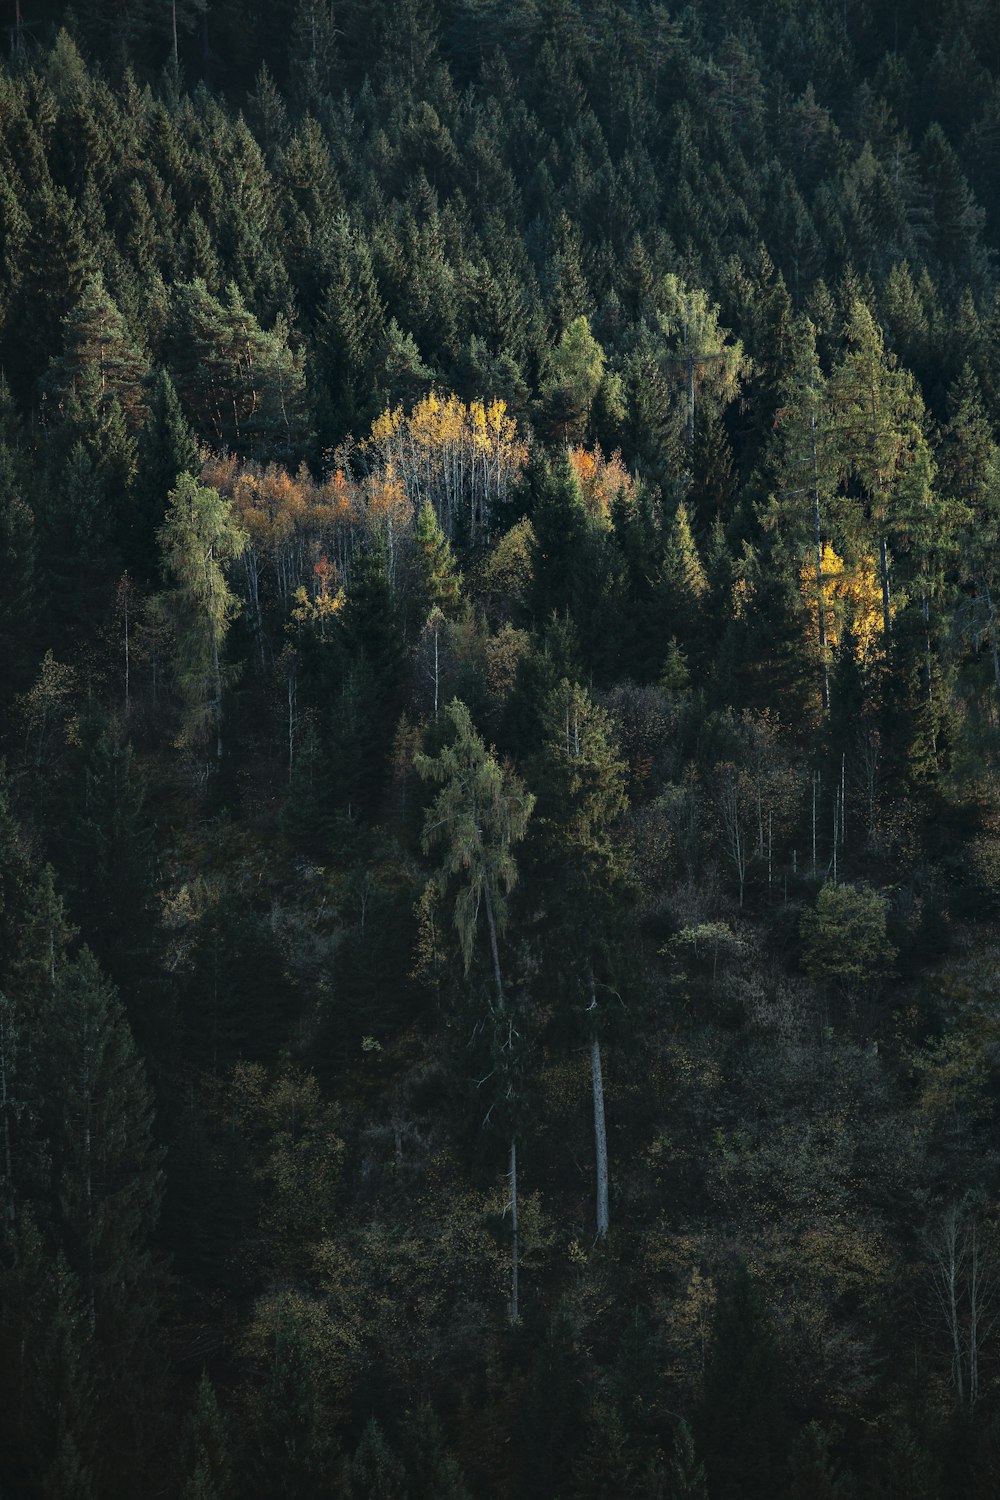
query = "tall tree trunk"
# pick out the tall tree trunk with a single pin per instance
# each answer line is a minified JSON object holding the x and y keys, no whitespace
{"x":993,"y":636}
{"x":820,"y":602}
{"x":217,"y":705}
{"x":600,"y":1137}
{"x":884,"y":566}
{"x":494,"y":950}
{"x":513,"y":1232}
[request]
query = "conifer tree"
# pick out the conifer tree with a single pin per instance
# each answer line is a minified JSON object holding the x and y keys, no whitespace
{"x":197,"y":539}
{"x":166,"y":451}
{"x":96,"y":341}
{"x":682,"y":587}
{"x":19,"y":570}
{"x":441,"y":578}
{"x":805,"y":463}
{"x":57,"y":263}
{"x":581,"y":795}
{"x":878,"y":423}
{"x":813,"y":1470}
{"x":241,"y":386}
{"x":207,"y":1465}
{"x":375,"y":1472}
{"x":104,"y":1163}
{"x":478,"y":816}
{"x":431,"y":1471}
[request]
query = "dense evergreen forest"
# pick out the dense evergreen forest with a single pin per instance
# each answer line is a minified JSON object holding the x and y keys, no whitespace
{"x":500,"y":718}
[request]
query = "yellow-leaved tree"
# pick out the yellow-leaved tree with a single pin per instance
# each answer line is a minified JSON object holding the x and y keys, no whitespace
{"x":462,"y":459}
{"x":851,"y":599}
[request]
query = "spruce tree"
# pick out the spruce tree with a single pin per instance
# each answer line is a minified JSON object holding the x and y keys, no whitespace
{"x":206,"y":1464}
{"x":95,"y":339}
{"x":441,"y":578}
{"x":166,"y":451}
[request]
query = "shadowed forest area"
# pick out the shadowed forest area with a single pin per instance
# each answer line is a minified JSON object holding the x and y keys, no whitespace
{"x":500,"y":733}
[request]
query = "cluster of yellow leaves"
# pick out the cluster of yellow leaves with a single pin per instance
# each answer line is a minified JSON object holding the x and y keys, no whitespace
{"x":852,"y":599}
{"x":601,"y":479}
{"x":294,"y":523}
{"x":303,"y":532}
{"x":324,"y":602}
{"x":463,"y":459}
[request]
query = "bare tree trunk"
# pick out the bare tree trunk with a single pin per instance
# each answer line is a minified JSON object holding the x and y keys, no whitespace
{"x":820,"y":602}
{"x":494,"y":950}
{"x":975,"y":1290}
{"x":292,"y":697}
{"x":217,"y":705}
{"x":126,"y":664}
{"x":513,"y":1232}
{"x":884,"y":565}
{"x":7,"y":1153}
{"x":600,"y":1137}
{"x":993,"y":637}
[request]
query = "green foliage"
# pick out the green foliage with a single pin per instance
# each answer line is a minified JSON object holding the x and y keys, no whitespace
{"x":845,"y":938}
{"x":477,"y":817}
{"x":207,"y":1473}
{"x":242,"y":388}
{"x":755,"y":252}
{"x":197,"y":538}
{"x":441,"y":578}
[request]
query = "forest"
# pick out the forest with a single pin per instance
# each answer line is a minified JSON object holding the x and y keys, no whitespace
{"x":499,"y":750}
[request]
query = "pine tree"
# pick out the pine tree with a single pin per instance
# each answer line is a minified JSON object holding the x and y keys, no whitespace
{"x":687,"y":1474}
{"x":166,"y":451}
{"x":104,"y":1163}
{"x":806,"y":470}
{"x":566,"y":551}
{"x":878,"y":426}
{"x":478,"y":816}
{"x":57,"y":264}
{"x":95,"y":339}
{"x":207,"y":1466}
{"x":19,"y":570}
{"x":580,"y":781}
{"x":813,"y":1470}
{"x":431,"y":1471}
{"x":682,"y":587}
{"x":375,"y":1472}
{"x":198,"y":538}
{"x":241,"y":387}
{"x":441,"y":578}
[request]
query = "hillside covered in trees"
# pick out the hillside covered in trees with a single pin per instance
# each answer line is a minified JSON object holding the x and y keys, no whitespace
{"x":500,"y":732}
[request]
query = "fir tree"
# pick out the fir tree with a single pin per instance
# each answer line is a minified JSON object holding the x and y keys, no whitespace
{"x":166,"y":451}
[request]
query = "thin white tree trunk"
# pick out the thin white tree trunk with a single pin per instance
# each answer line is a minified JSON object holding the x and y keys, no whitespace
{"x":600,"y":1137}
{"x":513,"y":1232}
